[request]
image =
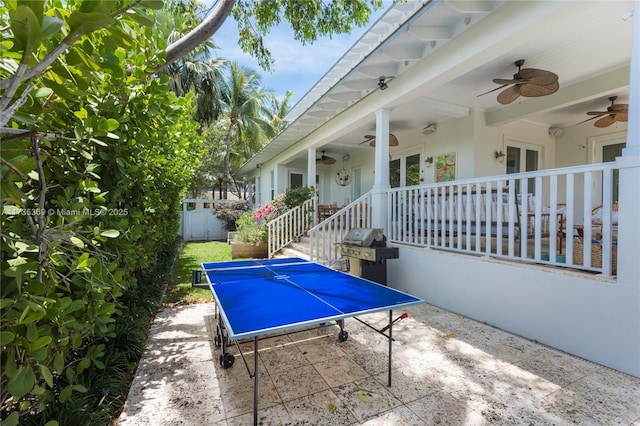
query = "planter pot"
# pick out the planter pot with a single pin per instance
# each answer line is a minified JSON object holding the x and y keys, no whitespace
{"x":248,"y":251}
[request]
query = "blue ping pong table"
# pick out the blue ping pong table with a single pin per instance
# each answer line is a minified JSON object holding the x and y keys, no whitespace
{"x":259,"y":297}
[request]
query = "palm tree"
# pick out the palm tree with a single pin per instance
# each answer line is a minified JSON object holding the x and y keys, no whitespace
{"x":194,"y":72}
{"x":246,"y":104}
{"x":280,"y":108}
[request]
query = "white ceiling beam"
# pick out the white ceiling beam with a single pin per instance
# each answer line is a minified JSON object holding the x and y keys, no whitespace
{"x":446,"y":108}
{"x":429,"y":33}
{"x":360,"y":84}
{"x":335,"y":105}
{"x":351,"y":95}
{"x":404,"y":53}
{"x":470,"y":6}
{"x":377,"y":70}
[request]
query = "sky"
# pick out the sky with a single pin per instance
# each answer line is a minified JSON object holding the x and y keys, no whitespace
{"x":297,"y":67}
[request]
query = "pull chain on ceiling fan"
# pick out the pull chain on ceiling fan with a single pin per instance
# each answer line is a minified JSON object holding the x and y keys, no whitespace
{"x":615,"y":112}
{"x":529,"y":82}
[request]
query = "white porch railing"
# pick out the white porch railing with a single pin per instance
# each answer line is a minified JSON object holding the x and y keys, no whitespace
{"x":325,"y":236}
{"x":288,"y":226}
{"x":530,"y":217}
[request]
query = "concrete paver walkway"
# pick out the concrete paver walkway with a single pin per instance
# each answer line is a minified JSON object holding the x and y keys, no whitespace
{"x":447,"y":370}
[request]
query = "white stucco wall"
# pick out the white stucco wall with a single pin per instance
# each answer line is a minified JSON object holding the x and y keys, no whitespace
{"x":596,"y":318}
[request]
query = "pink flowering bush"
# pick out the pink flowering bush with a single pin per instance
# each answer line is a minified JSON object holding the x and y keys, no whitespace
{"x":252,"y":226}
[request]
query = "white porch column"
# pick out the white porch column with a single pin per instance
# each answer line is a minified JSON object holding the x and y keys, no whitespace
{"x":249,"y":187}
{"x":381,"y":171}
{"x":629,"y":229}
{"x":311,"y":167}
{"x":633,"y":129}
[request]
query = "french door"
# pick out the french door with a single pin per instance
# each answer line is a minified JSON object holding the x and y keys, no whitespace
{"x":523,"y":157}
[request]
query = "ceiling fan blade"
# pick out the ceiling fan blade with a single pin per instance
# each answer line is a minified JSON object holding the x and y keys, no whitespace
{"x":605,"y":121}
{"x":393,"y":141}
{"x":534,"y":90}
{"x":492,"y":90}
{"x":509,"y":95}
{"x":539,"y":77}
{"x":588,"y":119}
{"x":598,"y":113}
{"x":328,"y":160}
{"x":508,"y":81}
{"x":622,"y":116}
{"x":619,"y":107}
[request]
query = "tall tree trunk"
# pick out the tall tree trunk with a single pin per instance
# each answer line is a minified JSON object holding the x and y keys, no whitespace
{"x":227,"y":157}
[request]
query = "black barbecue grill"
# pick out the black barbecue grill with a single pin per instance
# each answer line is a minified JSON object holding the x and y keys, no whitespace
{"x":367,"y":253}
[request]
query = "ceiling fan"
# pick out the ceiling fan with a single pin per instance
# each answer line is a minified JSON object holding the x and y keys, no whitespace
{"x":529,"y":82}
{"x":615,"y":112}
{"x":325,"y":159}
{"x":393,"y":141}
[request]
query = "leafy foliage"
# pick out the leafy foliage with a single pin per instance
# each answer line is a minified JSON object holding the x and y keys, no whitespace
{"x":309,"y":20}
{"x":91,"y":191}
{"x":252,"y":226}
{"x":230,"y":213}
{"x":296,"y":196}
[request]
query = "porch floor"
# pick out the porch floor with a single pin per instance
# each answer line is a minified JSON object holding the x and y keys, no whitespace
{"x":447,"y":369}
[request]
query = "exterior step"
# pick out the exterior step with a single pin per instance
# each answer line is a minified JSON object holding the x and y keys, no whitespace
{"x":301,"y":247}
{"x":292,"y":252}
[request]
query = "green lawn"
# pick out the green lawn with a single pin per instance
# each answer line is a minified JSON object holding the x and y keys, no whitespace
{"x":190,"y":258}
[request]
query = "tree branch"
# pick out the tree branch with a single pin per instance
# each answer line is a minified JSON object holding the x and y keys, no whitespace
{"x":12,"y":87}
{"x":41,"y":66}
{"x":7,"y":114}
{"x":42,"y":264}
{"x":199,"y":34}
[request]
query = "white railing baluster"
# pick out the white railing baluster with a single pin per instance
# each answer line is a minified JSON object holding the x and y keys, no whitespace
{"x":500,"y":217}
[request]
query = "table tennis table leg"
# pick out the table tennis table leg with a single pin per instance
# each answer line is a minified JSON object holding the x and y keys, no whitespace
{"x":390,"y":342}
{"x":255,"y":381}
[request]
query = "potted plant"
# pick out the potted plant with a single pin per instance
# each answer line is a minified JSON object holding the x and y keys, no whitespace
{"x":252,"y":234}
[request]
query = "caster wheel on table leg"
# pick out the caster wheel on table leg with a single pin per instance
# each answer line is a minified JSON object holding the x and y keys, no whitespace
{"x":343,"y":336}
{"x":227,"y":360}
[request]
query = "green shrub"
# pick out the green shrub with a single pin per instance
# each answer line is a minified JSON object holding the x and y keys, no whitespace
{"x":252,"y":226}
{"x":296,"y":196}
{"x":229,"y":213}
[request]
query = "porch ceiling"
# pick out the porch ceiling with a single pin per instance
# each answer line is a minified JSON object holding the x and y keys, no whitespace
{"x":444,"y":54}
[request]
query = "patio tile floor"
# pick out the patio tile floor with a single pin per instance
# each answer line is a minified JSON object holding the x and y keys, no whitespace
{"x":447,"y":369}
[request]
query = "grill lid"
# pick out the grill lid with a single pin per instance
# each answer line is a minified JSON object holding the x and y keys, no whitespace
{"x":364,"y":237}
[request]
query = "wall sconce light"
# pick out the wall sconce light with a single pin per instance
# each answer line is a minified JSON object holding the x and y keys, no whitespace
{"x":499,"y":155}
{"x":429,"y":161}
